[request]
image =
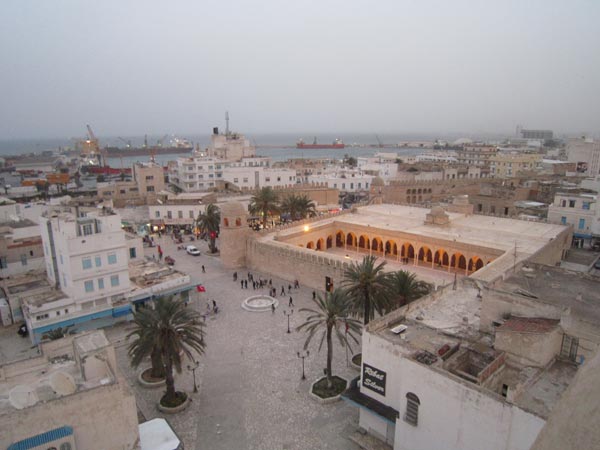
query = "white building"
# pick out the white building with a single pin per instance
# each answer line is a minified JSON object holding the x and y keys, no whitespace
{"x":378,"y":166}
{"x":346,"y":180}
{"x":231,"y":146}
{"x":478,"y":366}
{"x":586,"y":153}
{"x":578,"y":208}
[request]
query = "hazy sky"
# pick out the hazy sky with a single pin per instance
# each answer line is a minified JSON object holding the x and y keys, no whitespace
{"x":135,"y":67}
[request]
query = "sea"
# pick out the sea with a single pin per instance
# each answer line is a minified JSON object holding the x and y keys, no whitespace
{"x":278,"y":146}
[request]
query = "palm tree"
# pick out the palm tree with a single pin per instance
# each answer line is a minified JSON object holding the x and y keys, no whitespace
{"x":368,"y":286}
{"x":298,"y":206}
{"x":332,"y":314}
{"x":171,"y":330}
{"x":407,"y":288}
{"x":209,"y":222}
{"x":264,"y":202}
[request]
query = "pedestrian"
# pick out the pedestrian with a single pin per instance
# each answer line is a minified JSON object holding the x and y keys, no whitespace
{"x":241,"y":284}
{"x":203,"y":269}
{"x":296,"y":284}
{"x":282,"y":290}
{"x":273,"y":308}
{"x":270,"y":282}
{"x":234,"y":276}
{"x":291,"y":303}
{"x":254,"y":285}
{"x":214,"y":305}
{"x":289,"y":288}
{"x":314,"y":295}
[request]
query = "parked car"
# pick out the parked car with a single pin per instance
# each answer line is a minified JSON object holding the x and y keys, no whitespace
{"x":192,"y":250}
{"x":170,"y":261}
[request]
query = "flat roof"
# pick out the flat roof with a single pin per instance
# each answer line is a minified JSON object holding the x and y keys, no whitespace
{"x":556,"y":286}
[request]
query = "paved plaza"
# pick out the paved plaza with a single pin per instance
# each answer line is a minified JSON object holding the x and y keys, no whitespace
{"x":251,"y":395}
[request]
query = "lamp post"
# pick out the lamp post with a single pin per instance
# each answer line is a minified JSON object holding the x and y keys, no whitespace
{"x":193,"y":368}
{"x":303,"y":354}
{"x":288,"y":314}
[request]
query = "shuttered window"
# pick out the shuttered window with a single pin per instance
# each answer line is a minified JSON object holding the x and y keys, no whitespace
{"x":412,"y":409}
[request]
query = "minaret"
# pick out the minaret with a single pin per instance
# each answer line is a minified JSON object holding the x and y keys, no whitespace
{"x":226,"y":123}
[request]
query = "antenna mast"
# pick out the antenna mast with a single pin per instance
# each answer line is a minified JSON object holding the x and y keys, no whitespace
{"x":226,"y":123}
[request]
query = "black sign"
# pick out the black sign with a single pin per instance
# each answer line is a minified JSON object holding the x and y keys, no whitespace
{"x":373,"y":379}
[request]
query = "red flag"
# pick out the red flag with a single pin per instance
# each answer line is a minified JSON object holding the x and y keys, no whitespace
{"x":200,"y":288}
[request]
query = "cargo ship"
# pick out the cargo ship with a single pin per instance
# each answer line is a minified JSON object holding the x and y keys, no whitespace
{"x":335,"y":144}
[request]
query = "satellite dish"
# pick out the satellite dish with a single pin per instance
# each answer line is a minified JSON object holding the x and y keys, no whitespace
{"x":22,"y":396}
{"x":62,"y":383}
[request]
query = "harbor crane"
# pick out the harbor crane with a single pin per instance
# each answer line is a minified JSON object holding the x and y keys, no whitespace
{"x":379,"y":142}
{"x":159,"y":142}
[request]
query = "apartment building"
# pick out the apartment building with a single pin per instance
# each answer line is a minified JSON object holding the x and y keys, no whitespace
{"x":509,"y":165}
{"x":476,"y":154}
{"x":579,"y":208}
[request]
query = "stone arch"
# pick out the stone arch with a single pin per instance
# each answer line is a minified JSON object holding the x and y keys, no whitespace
{"x":340,"y":239}
{"x":321,"y":244}
{"x":425,"y":254}
{"x":391,"y":248}
{"x":364,"y":242}
{"x":419,"y":191}
{"x":475,"y":263}
{"x":329,"y":242}
{"x":238,"y":222}
{"x":225,"y":222}
{"x":310,"y":245}
{"x":441,"y":258}
{"x":458,"y":261}
{"x":408,"y":191}
{"x":351,"y":239}
{"x":408,"y":251}
{"x":377,"y":244}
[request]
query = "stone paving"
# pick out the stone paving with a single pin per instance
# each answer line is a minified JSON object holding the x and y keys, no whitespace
{"x":251,"y":395}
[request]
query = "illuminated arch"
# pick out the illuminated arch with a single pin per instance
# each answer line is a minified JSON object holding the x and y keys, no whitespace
{"x":340,"y":238}
{"x":329,"y":243}
{"x":363,"y":242}
{"x":391,"y":248}
{"x":425,"y":254}
{"x":310,"y":245}
{"x":351,"y":239}
{"x":321,"y":244}
{"x":377,"y":244}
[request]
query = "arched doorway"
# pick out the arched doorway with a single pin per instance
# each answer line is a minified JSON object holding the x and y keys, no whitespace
{"x":363,"y":242}
{"x":441,"y":258}
{"x":310,"y":245}
{"x":391,"y":248}
{"x":340,"y":239}
{"x":377,"y":244}
{"x":351,"y":239}
{"x":425,"y":254}
{"x":329,"y":241}
{"x":321,"y":244}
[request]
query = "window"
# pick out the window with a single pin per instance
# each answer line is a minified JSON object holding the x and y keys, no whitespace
{"x":23,"y":260}
{"x":563,"y":203}
{"x":100,"y":283}
{"x":122,"y":191}
{"x":149,"y":177}
{"x":114,"y":280}
{"x":563,"y":220}
{"x":169,"y":214}
{"x":87,"y":229}
{"x":581,"y":224}
{"x":412,"y":409}
{"x":278,"y":178}
{"x":235,"y":180}
{"x":245,"y":180}
{"x":3,"y":262}
{"x":112,"y":258}
{"x":571,"y":203}
{"x":86,"y":263}
{"x":191,"y":214}
{"x":89,"y":286}
{"x":64,"y":280}
{"x":267,"y":179}
{"x":157,"y":214}
{"x":180,"y":214}
{"x":132,"y":252}
{"x":586,"y":205}
{"x":149,"y":188}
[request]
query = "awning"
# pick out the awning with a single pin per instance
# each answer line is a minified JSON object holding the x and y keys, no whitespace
{"x":354,"y":396}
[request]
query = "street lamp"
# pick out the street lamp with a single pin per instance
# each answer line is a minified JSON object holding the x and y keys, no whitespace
{"x":193,"y":368}
{"x":288,"y":314}
{"x":303,"y":354}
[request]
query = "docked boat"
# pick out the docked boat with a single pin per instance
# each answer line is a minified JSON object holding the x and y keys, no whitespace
{"x":335,"y":144}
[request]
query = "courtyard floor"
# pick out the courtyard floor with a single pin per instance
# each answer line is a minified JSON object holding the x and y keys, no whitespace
{"x":251,"y":395}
